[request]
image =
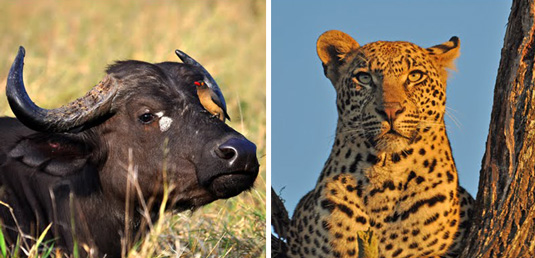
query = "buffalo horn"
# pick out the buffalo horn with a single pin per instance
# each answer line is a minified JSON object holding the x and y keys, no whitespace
{"x":77,"y":115}
{"x":209,"y":80}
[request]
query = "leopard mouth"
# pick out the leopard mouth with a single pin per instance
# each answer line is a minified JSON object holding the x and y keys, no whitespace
{"x":391,"y":141}
{"x":391,"y":133}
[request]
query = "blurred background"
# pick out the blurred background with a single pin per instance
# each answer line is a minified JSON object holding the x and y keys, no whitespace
{"x":70,"y":43}
{"x":303,"y":99}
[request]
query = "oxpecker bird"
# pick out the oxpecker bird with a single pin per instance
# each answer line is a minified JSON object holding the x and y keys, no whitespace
{"x":209,"y":93}
{"x":206,"y":96}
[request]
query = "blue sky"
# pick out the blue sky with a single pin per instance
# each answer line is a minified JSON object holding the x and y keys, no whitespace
{"x":303,"y":114}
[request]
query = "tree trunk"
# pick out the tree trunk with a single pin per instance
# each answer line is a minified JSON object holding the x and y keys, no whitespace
{"x":504,"y":216}
{"x":280,"y":223}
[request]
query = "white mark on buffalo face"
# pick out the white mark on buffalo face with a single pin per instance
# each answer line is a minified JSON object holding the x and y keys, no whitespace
{"x":165,"y":122}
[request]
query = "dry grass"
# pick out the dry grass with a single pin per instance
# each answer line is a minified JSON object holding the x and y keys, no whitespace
{"x":69,"y":44}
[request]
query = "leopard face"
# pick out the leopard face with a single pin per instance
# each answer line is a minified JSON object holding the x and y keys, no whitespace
{"x":389,"y":92}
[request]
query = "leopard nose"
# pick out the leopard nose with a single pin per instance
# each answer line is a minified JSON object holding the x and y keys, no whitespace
{"x":391,"y":111}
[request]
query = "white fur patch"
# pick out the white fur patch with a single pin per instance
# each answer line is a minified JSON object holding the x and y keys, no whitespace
{"x":165,"y":122}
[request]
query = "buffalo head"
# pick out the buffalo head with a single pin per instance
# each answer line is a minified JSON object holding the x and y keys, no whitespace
{"x":144,"y":118}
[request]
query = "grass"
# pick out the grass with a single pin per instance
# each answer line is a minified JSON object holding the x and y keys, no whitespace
{"x":70,"y":43}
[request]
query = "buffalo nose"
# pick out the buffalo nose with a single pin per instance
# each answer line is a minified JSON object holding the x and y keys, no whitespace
{"x":239,"y":154}
{"x":391,"y":111}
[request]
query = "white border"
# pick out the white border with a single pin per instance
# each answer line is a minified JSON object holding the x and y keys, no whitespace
{"x":268,"y":128}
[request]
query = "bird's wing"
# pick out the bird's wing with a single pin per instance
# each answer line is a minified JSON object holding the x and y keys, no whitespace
{"x":216,"y":94}
{"x":216,"y":99}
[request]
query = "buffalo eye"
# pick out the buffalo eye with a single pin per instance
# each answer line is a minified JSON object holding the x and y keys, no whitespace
{"x":146,"y":118}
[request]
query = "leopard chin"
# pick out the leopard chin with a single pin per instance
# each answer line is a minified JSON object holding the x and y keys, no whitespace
{"x":390,"y":143}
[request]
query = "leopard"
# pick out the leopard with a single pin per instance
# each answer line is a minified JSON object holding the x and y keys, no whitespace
{"x":390,"y":171}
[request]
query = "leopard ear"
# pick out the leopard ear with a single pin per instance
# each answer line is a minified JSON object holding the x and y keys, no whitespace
{"x":332,"y":47}
{"x":446,"y":52}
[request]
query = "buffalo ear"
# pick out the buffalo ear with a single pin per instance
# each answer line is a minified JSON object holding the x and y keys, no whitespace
{"x":332,"y":47}
{"x":445,"y":53}
{"x":54,"y":154}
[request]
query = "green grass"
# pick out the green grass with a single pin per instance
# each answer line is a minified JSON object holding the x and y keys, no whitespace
{"x":70,"y":43}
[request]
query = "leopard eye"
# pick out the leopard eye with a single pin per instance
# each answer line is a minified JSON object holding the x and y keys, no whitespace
{"x":415,"y":76}
{"x":364,"y":78}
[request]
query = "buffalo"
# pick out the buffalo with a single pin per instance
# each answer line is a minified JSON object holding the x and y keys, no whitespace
{"x":92,"y":168}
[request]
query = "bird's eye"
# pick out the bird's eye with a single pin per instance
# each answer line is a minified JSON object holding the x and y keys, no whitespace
{"x":364,"y":78}
{"x":146,"y":118}
{"x":415,"y":76}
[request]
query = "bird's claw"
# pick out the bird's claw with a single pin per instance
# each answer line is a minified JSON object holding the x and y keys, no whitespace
{"x":211,"y":115}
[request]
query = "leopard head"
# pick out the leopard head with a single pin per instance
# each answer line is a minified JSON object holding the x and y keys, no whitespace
{"x":388,"y":93}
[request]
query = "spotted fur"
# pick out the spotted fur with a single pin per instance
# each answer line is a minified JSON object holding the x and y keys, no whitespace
{"x":391,"y":169}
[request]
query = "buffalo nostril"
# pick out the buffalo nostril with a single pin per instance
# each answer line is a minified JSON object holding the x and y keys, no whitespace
{"x":237,"y":152}
{"x":226,"y":152}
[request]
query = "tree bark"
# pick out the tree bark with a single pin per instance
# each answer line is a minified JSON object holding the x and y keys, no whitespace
{"x":280,"y":223}
{"x":504,"y":216}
